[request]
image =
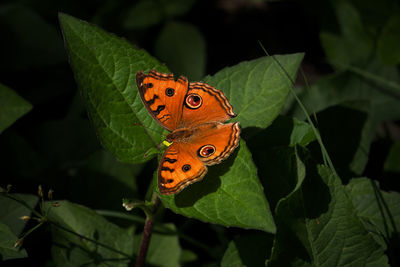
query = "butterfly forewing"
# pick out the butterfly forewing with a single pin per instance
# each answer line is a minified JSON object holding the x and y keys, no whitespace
{"x":214,"y":106}
{"x":162,"y":96}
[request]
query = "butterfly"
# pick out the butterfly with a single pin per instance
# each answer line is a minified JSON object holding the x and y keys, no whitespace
{"x":193,"y":113}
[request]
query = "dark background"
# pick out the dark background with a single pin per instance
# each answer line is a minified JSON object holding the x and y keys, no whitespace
{"x":47,"y":147}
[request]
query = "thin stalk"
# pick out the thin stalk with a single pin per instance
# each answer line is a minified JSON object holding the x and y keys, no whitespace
{"x":144,"y":244}
{"x":315,"y":131}
{"x":148,"y":230}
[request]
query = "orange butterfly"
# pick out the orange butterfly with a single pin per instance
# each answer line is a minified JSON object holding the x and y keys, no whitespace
{"x":194,"y":113}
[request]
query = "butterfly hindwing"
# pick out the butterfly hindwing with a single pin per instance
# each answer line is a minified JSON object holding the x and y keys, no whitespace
{"x":214,"y":142}
{"x":184,"y":163}
{"x":179,"y":167}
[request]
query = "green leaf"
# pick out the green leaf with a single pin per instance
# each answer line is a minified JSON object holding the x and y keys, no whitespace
{"x":257,"y":89}
{"x":7,"y":241}
{"x":378,"y":210}
{"x":247,"y":250}
{"x":392,"y":163}
{"x":105,"y":67}
{"x":164,"y":249}
{"x":187,"y":256}
{"x":354,"y":45}
{"x":108,"y":243}
{"x":388,"y":42}
{"x":374,"y":101}
{"x":230,"y":194}
{"x":11,"y":211}
{"x":12,"y":107}
{"x":344,"y":87}
{"x":11,"y":225}
{"x":318,"y":225}
{"x":302,"y":133}
{"x":188,"y":57}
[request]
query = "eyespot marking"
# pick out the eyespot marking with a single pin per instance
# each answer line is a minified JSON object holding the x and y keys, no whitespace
{"x":206,"y":151}
{"x":193,"y":101}
{"x":169,"y":91}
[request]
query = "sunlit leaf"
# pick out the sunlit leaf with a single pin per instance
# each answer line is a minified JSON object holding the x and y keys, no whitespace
{"x":257,"y":89}
{"x":105,"y":68}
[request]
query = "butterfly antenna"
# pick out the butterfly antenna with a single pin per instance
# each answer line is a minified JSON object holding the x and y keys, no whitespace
{"x":325,"y":155}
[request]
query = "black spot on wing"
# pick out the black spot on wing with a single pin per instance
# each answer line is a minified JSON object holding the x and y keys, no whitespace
{"x":151,"y":101}
{"x":167,"y":169}
{"x":158,"y":110}
{"x":170,"y":160}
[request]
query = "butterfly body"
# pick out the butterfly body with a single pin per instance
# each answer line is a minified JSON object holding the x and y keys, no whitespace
{"x":194,"y":113}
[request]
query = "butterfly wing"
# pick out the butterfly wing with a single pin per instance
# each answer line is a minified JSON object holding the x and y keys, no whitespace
{"x":179,"y":167}
{"x":214,"y":142}
{"x":184,"y":163}
{"x":162,"y":96}
{"x":194,"y":113}
{"x":203,"y":104}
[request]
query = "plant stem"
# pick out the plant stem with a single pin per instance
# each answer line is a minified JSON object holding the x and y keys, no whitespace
{"x":144,"y":244}
{"x":148,"y":230}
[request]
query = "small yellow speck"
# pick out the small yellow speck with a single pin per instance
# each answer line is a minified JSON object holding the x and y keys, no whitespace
{"x":166,"y":143}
